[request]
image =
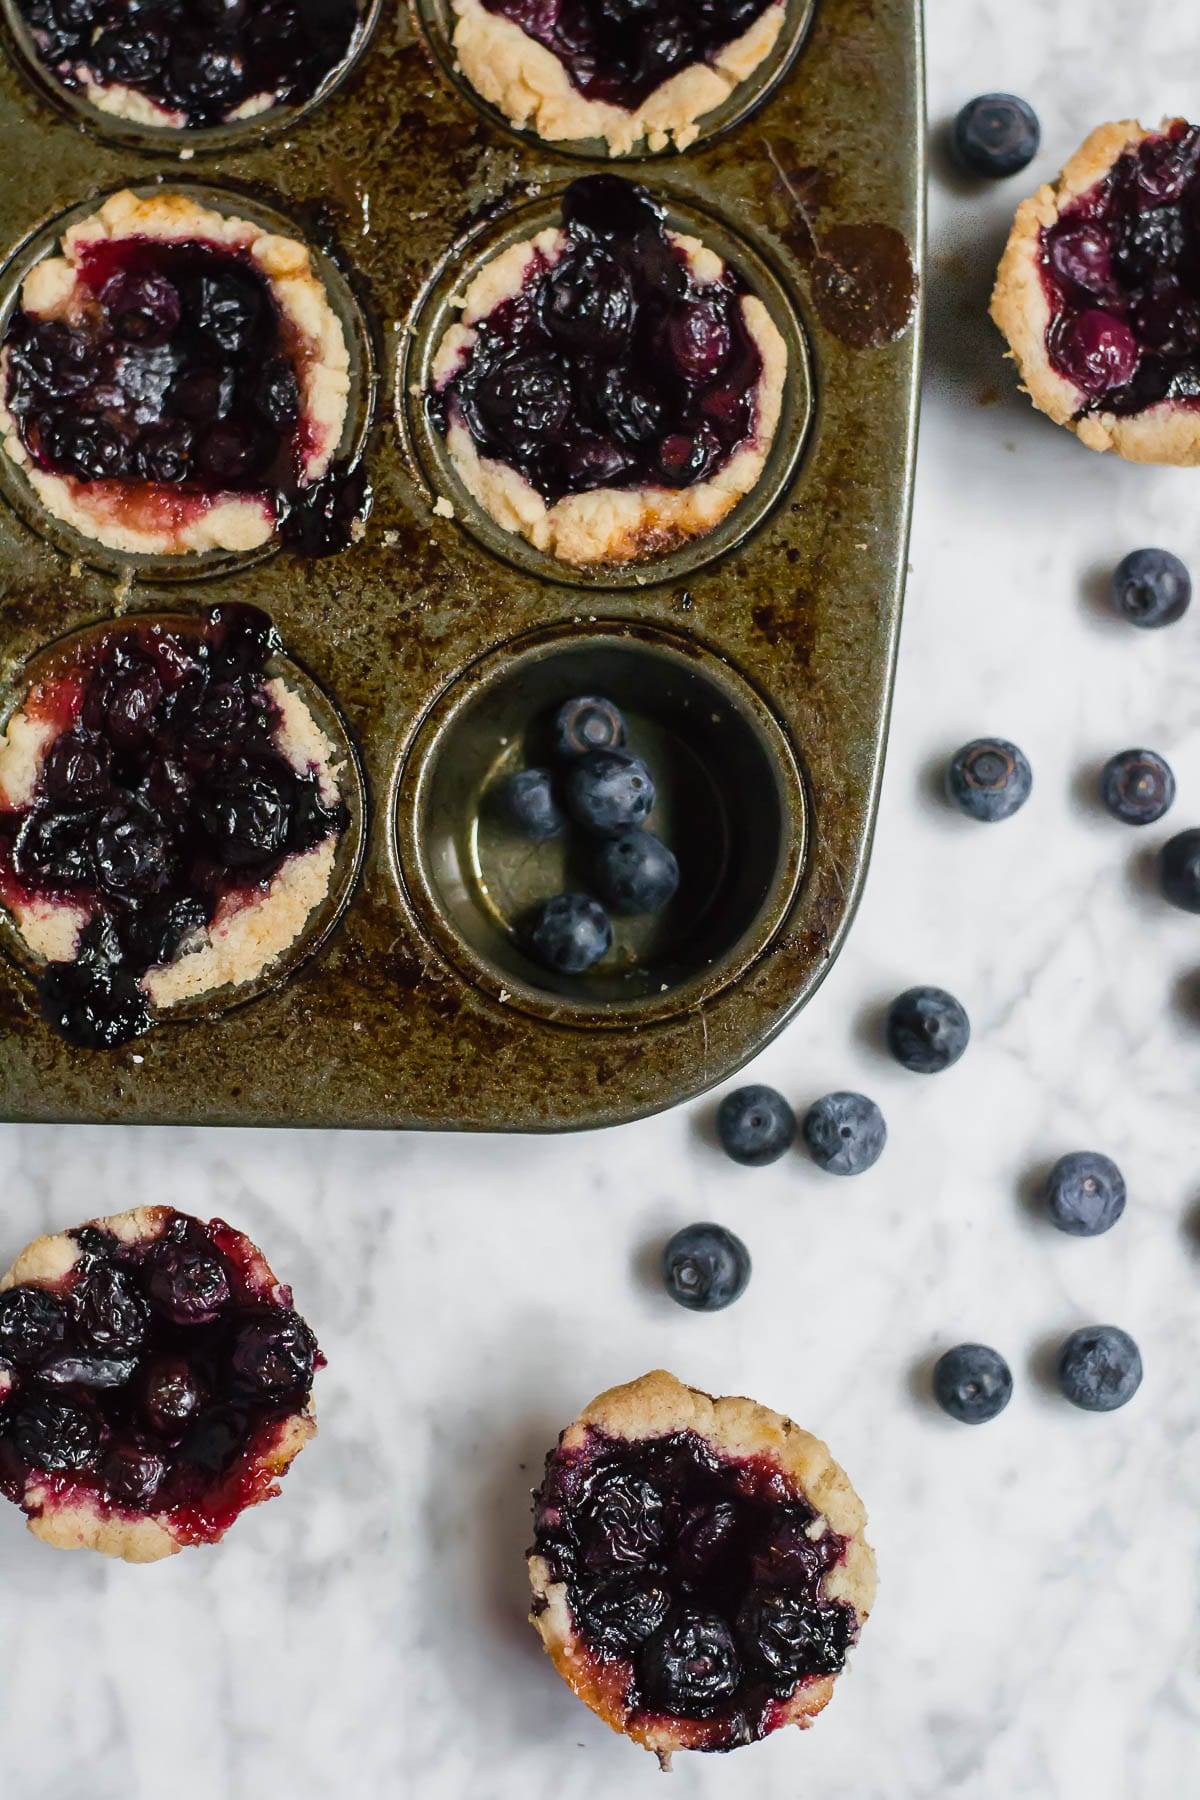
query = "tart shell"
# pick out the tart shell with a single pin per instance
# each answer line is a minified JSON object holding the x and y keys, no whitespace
{"x":1165,"y":433}
{"x":657,"y":1405}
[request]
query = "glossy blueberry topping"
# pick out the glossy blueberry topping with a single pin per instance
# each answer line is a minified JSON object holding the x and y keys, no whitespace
{"x":608,"y":791}
{"x":989,"y":779}
{"x":1085,"y":1193}
{"x":619,"y":51}
{"x":570,"y":932}
{"x":845,"y":1133}
{"x":1152,"y":588}
{"x":528,"y":803}
{"x":755,"y":1125}
{"x":927,"y":1030}
{"x":1121,"y":269}
{"x":1099,"y":1368}
{"x":162,"y":795}
{"x":201,"y":58}
{"x":996,"y":135}
{"x":613,"y":366}
{"x":138,"y":1390}
{"x":1179,"y":870}
{"x":973,"y":1383}
{"x":695,"y":1572}
{"x":705,"y":1268}
{"x":1137,"y":786}
{"x":636,"y":873}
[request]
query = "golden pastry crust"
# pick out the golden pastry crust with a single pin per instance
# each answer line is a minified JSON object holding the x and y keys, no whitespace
{"x":78,"y":1520}
{"x":1021,"y":309}
{"x":657,"y":1405}
{"x":607,"y":525}
{"x":246,"y":936}
{"x":164,"y":524}
{"x":531,"y":87}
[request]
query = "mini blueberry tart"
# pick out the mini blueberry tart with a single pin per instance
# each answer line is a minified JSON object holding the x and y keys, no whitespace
{"x":612,"y":389}
{"x":181,"y":64}
{"x":176,"y":381}
{"x":155,"y":1381}
{"x":617,"y":70}
{"x":1098,"y":293}
{"x":699,"y":1569}
{"x":170,"y":817}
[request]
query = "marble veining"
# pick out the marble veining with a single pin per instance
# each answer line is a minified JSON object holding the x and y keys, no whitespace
{"x":1036,"y":1628}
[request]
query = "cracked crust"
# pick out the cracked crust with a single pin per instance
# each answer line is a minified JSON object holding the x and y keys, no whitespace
{"x":165,"y":522}
{"x":531,"y":87}
{"x":656,"y":1405}
{"x":606,"y":525}
{"x":77,"y":1520}
{"x":1021,"y":309}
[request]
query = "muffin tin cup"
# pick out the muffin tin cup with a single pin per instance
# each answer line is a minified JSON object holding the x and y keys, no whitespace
{"x":435,"y":312}
{"x":348,"y":859}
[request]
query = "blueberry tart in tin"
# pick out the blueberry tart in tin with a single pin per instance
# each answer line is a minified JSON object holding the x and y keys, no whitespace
{"x":155,"y":1381}
{"x":699,"y":1568}
{"x":1098,"y":293}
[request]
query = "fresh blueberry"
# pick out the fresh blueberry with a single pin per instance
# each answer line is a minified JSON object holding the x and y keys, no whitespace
{"x":608,"y":790}
{"x":636,"y":873}
{"x":1099,"y":1368}
{"x":1137,"y":786}
{"x":1085,"y":1193}
{"x":989,"y":779}
{"x":585,"y":723}
{"x":527,"y":802}
{"x":927,"y":1030}
{"x":756,"y":1126}
{"x":996,"y":135}
{"x":845,"y":1133}
{"x":1179,"y":870}
{"x":705,"y":1267}
{"x":1152,"y":588}
{"x":972,"y":1383}
{"x":570,"y":933}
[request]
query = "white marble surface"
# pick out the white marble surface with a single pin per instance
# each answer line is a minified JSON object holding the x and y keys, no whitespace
{"x":1035,"y":1634}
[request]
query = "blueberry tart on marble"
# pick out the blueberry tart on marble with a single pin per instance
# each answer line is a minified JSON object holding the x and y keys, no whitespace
{"x":699,"y":1568}
{"x":170,"y":816}
{"x":622,"y":71}
{"x":1098,"y":293}
{"x":155,"y":1381}
{"x":176,"y":380}
{"x":612,"y":389}
{"x":185,"y":63}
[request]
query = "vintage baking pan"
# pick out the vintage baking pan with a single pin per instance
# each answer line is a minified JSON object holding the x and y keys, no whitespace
{"x":755,"y":668}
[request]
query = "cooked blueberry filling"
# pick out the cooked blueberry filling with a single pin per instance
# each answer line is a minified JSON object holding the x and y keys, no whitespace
{"x":619,"y":51}
{"x":612,"y":367}
{"x":698,"y":1572}
{"x":162,"y":795}
{"x":1122,"y":270}
{"x":202,"y":58}
{"x":154,"y":1377}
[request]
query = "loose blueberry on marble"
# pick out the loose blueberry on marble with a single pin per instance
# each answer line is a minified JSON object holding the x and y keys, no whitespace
{"x":705,"y":1267}
{"x":636,"y":872}
{"x":1179,"y":870}
{"x":756,"y":1126}
{"x":972,"y":1383}
{"x":528,"y":803}
{"x":609,"y":790}
{"x":1085,"y":1193}
{"x":585,"y":723}
{"x":989,"y":779}
{"x":1099,"y":1368}
{"x":570,"y":933}
{"x":927,"y":1030}
{"x":1137,"y":786}
{"x":996,"y":135}
{"x":1152,"y":588}
{"x":845,"y":1133}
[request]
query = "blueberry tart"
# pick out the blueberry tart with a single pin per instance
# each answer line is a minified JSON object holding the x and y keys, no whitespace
{"x":612,"y":388}
{"x":699,"y":1569}
{"x":175,"y":381}
{"x":623,"y":71}
{"x":180,"y":64}
{"x":170,"y":817}
{"x":1098,"y":293}
{"x":155,"y":1381}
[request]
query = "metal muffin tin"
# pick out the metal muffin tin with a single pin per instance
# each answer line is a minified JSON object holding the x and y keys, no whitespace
{"x":755,"y":666}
